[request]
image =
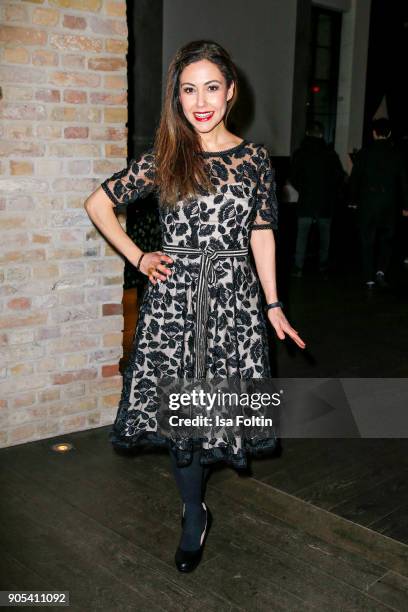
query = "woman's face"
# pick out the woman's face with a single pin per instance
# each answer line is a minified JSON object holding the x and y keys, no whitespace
{"x":204,"y":94}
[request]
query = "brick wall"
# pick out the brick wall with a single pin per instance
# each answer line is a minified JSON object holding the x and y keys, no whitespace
{"x":63,"y":116}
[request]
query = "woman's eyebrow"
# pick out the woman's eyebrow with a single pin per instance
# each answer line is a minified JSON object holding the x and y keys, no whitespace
{"x":206,"y":83}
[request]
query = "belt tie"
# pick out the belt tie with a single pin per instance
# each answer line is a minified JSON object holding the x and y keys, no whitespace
{"x":207,"y":276}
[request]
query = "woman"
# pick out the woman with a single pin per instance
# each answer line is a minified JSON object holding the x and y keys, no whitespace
{"x":201,"y":316}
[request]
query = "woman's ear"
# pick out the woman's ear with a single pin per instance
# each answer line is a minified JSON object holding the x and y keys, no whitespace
{"x":230,"y":91}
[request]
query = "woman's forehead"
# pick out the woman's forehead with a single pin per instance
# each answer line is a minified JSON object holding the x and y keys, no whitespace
{"x":200,"y":72}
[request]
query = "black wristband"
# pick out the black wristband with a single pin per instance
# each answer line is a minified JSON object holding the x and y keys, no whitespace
{"x":274,"y":305}
{"x":140,"y":259}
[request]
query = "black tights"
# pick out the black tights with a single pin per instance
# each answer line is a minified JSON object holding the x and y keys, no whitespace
{"x":191,"y":482}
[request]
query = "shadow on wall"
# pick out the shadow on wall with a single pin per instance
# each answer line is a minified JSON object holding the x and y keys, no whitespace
{"x":243,"y":113}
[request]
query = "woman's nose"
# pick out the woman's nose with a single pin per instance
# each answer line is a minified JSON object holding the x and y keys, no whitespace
{"x":201,"y":99}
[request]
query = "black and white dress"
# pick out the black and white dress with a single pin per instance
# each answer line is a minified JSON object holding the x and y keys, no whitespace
{"x":206,"y":320}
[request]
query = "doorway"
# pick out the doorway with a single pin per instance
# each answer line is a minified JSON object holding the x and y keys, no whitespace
{"x":324,"y":69}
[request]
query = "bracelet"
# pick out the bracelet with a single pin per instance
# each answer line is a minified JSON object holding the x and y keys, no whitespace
{"x":274,"y":305}
{"x":140,"y":259}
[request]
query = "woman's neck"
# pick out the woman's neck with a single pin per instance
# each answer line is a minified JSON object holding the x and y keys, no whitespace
{"x":219,"y":141}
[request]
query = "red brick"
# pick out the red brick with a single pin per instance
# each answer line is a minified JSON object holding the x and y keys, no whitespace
{"x":116,"y":46}
{"x":110,"y":370}
{"x":73,"y":96}
{"x":79,"y":5}
{"x":77,"y":79}
{"x":22,"y":433}
{"x":26,"y":399}
{"x":108,"y":133}
{"x":22,"y":74}
{"x":74,"y":23}
{"x":110,"y":401}
{"x":108,"y":98}
{"x":48,"y":95}
{"x":115,"y":9}
{"x":48,"y":131}
{"x":47,"y":333}
{"x":24,"y":36}
{"x":106,"y":63}
{"x":41,"y":239}
{"x":73,"y":423}
{"x":15,"y":13}
{"x":68,"y":377}
{"x":16,"y":55}
{"x":111,"y":309}
{"x":76,"y":132}
{"x":24,"y":111}
{"x":19,"y":303}
{"x":108,"y":26}
{"x":49,"y":395}
{"x":73,"y":61}
{"x":115,"y":150}
{"x":114,"y":114}
{"x":19,"y":132}
{"x":45,"y":16}
{"x":11,"y":321}
{"x":115,"y":81}
{"x":21,"y":168}
{"x":23,"y":255}
{"x":44,"y":57}
{"x":72,"y":42}
{"x":28,"y":149}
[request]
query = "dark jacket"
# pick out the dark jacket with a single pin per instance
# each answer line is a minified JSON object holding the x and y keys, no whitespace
{"x":317,"y":174}
{"x":378,"y":182}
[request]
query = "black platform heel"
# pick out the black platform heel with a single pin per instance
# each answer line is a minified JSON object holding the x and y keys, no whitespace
{"x":188,"y":560}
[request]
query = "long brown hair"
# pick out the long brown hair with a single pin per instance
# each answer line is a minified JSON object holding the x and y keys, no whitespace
{"x":180,"y":170}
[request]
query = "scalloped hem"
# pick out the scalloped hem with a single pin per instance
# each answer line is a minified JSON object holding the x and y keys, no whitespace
{"x":221,"y":454}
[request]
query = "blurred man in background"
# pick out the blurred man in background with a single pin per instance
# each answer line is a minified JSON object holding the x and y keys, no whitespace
{"x":378,"y":182}
{"x":317,"y":174}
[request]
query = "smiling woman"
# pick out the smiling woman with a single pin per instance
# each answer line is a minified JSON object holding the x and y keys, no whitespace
{"x":205,"y":102}
{"x":205,"y":319}
{"x":202,"y":88}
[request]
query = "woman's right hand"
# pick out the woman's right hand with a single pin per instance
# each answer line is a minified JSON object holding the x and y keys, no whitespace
{"x":153,"y":268}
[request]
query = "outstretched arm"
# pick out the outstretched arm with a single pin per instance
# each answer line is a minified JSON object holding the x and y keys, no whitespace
{"x":262,"y":243}
{"x":263,"y":248}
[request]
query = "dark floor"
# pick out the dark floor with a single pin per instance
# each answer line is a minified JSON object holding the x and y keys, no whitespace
{"x":323,"y":526}
{"x":349,"y":331}
{"x":105,"y":527}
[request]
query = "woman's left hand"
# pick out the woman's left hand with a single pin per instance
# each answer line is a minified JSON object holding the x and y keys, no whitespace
{"x":282,"y":326}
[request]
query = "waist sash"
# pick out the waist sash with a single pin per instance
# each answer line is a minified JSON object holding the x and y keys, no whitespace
{"x":207,"y":275}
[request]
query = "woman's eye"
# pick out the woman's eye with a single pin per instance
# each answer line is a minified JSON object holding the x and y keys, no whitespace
{"x":188,"y":90}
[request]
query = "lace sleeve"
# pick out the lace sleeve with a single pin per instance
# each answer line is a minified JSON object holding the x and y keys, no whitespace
{"x":133,"y":182}
{"x":266,"y":204}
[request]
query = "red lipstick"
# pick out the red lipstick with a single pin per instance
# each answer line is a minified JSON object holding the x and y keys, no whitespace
{"x":204,"y":116}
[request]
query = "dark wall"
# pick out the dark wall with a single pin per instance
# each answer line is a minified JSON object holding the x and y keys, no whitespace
{"x":386,"y":69}
{"x":145,"y":20}
{"x":301,"y":71}
{"x":145,"y":23}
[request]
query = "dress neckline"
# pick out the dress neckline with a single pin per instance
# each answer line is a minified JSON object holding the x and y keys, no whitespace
{"x":225,"y":151}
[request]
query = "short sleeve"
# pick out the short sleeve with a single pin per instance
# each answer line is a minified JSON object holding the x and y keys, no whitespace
{"x":266,"y":204}
{"x":133,"y":182}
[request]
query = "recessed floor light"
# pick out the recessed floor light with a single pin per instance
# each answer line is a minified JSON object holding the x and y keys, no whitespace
{"x":62,"y":447}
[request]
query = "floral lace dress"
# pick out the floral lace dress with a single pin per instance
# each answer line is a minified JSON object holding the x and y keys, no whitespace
{"x":206,"y":320}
